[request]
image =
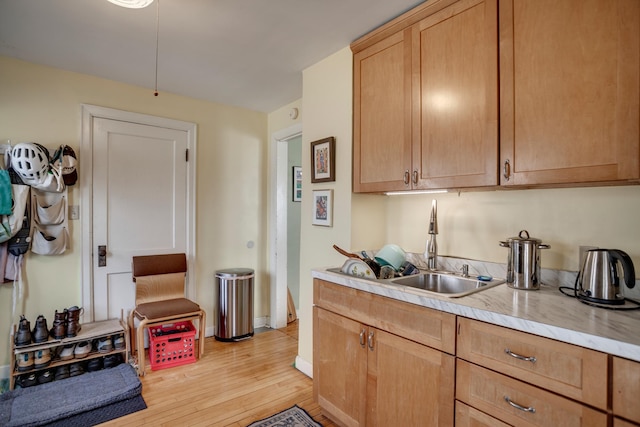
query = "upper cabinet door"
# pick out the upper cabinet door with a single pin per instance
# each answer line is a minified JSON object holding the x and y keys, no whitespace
{"x":382,"y":115}
{"x":455,"y":60}
{"x":569,"y":91}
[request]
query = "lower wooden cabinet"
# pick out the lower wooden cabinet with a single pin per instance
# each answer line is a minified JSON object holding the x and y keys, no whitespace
{"x":618,"y":422}
{"x":384,"y":362}
{"x":518,"y":403}
{"x":466,"y":416}
{"x":625,"y":391}
{"x":569,"y":370}
{"x":367,"y":376}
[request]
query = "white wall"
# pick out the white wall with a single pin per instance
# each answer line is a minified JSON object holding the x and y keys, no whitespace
{"x":43,"y":104}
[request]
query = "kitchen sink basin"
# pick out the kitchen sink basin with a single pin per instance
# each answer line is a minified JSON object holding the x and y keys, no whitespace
{"x":446,"y":284}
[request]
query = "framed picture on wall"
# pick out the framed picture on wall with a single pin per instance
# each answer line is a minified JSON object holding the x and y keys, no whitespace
{"x":323,"y":162}
{"x":297,"y":183}
{"x":322,"y":208}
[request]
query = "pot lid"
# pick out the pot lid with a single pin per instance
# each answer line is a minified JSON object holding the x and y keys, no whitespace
{"x":523,"y":236}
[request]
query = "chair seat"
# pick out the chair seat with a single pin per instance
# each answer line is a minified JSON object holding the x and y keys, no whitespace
{"x":166,"y":308}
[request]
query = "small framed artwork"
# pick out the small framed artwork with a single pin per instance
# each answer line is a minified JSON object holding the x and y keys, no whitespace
{"x":323,"y":208}
{"x":297,"y":183}
{"x":323,"y":162}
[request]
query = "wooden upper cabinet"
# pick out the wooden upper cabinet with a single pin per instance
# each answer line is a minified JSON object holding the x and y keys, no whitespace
{"x":569,"y":91}
{"x":455,"y":54}
{"x":426,"y":100}
{"x":382,"y":115}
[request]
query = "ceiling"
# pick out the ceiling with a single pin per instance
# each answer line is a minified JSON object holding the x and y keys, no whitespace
{"x":245,"y":53}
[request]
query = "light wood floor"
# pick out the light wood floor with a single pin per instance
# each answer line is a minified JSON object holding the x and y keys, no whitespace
{"x":233,"y":384}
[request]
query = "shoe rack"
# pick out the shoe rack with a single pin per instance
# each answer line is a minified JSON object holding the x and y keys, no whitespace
{"x":88,"y":332}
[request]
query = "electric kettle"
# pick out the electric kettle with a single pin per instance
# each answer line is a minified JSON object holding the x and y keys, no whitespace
{"x":599,"y":281}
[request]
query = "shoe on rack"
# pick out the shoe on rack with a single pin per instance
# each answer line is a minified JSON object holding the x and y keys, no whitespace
{"x":76,"y":369}
{"x":27,"y":380}
{"x":23,"y":335}
{"x":24,"y":361}
{"x":82,"y":349}
{"x":62,"y":372}
{"x":40,"y":331}
{"x":46,"y":376}
{"x":42,"y":358}
{"x":59,"y":329}
{"x":67,"y":352}
{"x":103,"y":345}
{"x":112,"y":360}
{"x":118,"y":342}
{"x":95,"y":364}
{"x":73,"y":321}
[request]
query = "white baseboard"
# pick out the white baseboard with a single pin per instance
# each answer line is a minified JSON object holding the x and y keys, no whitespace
{"x":304,"y":366}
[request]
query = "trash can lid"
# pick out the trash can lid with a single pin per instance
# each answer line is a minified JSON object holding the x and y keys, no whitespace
{"x":234,"y":272}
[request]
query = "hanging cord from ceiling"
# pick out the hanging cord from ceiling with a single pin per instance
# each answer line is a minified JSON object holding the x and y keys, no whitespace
{"x":155,"y":93}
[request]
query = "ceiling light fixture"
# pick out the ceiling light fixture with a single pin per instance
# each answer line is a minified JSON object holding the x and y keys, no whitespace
{"x":132,"y":4}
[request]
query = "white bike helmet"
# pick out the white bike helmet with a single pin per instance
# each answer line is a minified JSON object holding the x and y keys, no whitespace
{"x":31,"y":161}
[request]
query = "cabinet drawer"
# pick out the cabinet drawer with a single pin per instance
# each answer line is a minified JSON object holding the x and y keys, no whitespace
{"x":466,"y":416}
{"x":617,"y":422}
{"x":572,"y":371}
{"x":488,"y":392}
{"x":626,"y":389}
{"x":423,"y":325}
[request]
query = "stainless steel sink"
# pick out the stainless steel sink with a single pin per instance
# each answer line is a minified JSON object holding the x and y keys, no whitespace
{"x":445,"y":283}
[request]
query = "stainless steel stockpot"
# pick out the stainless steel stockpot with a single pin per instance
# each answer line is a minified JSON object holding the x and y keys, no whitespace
{"x":523,"y":262}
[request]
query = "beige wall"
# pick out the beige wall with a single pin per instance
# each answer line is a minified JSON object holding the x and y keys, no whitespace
{"x":43,"y":104}
{"x":326,"y":100}
{"x":471,"y":224}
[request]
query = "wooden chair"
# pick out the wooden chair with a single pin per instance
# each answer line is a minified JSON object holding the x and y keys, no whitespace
{"x":160,"y":300}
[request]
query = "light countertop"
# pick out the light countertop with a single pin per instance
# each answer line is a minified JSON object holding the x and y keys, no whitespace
{"x":545,"y":312}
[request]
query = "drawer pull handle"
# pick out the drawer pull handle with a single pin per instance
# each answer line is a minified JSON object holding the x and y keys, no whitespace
{"x":522,"y":408}
{"x":362,"y":333}
{"x":531,"y":359}
{"x":370,"y":341}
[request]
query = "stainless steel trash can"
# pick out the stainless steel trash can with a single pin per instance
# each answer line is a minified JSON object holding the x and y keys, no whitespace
{"x":233,"y":305}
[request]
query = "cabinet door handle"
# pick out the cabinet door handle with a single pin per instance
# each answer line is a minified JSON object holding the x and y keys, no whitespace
{"x":415,"y":176}
{"x":370,"y":341}
{"x":522,"y":408}
{"x":406,"y":177}
{"x":531,"y":359}
{"x":506,"y":172}
{"x":362,"y":334}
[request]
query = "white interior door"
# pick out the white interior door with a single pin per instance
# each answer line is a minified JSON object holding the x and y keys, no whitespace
{"x":139,"y":204}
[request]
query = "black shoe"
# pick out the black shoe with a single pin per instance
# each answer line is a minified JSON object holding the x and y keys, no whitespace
{"x":76,"y":369}
{"x":45,"y":376}
{"x":62,"y":372}
{"x":27,"y":380}
{"x":94,"y":364}
{"x":112,"y":360}
{"x":23,"y":336}
{"x":40,"y":332}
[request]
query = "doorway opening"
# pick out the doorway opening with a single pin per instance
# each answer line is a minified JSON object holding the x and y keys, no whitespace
{"x":281,"y":173}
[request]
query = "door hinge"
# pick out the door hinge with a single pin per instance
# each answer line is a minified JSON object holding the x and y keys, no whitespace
{"x":186,"y":155}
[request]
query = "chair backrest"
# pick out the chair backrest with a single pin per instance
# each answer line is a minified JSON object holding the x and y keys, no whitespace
{"x":159,"y":277}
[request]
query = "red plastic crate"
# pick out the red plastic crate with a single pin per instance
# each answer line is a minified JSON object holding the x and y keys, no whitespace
{"x":172,"y":345}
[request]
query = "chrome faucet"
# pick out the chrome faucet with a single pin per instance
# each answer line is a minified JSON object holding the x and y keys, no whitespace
{"x":431,"y":251}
